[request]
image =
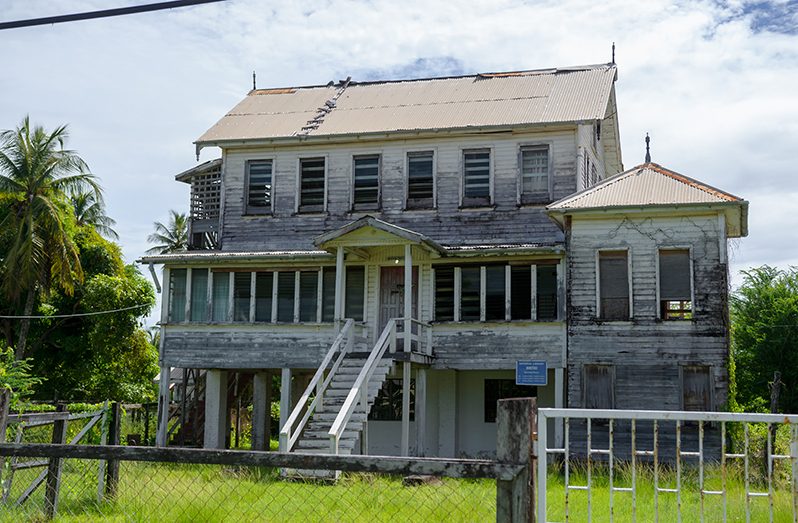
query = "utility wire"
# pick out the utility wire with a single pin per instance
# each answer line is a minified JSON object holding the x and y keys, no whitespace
{"x":78,"y":315}
{"x":104,"y":13}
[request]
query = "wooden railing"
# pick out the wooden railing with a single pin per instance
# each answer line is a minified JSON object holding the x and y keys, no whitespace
{"x":342,"y":344}
{"x":360,"y":390}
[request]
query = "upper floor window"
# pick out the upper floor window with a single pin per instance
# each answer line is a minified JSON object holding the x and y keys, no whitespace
{"x":535,"y":180}
{"x":259,"y":186}
{"x":613,"y":268}
{"x":476,"y":178}
{"x":177,"y":295}
{"x":199,"y":295}
{"x":312,"y":186}
{"x":366,"y":181}
{"x":420,"y":180}
{"x":675,"y":284}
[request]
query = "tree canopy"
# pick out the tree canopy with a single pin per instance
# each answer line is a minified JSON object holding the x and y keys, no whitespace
{"x":764,"y":313}
{"x":172,"y":237}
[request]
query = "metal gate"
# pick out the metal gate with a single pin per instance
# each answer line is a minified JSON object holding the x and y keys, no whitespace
{"x":666,"y":453}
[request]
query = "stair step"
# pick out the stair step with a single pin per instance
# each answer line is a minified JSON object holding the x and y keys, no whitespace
{"x":323,"y":434}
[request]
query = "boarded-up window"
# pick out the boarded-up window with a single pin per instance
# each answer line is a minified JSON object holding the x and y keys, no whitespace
{"x":495,"y":293}
{"x":675,"y":289}
{"x":614,"y":285}
{"x":696,"y":391}
{"x":355,"y":292}
{"x":535,"y":174}
{"x":328,"y":294}
{"x":547,"y":292}
{"x":221,"y":296}
{"x":444,"y":293}
{"x":311,"y":185}
{"x":598,"y":387}
{"x":469,"y":293}
{"x":177,"y":295}
{"x":285,"y":296}
{"x":242,"y":292}
{"x":308,"y":295}
{"x":420,"y":180}
{"x":366,"y":182}
{"x":521,"y":292}
{"x":476,"y":178}
{"x":264,"y":281}
{"x":388,"y":404}
{"x":496,"y":390}
{"x":259,"y":186}
{"x":199,"y":295}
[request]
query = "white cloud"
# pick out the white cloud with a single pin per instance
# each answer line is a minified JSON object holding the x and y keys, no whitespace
{"x":714,"y":84}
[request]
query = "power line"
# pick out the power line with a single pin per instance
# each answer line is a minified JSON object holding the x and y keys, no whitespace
{"x":104,"y":13}
{"x":78,"y":315}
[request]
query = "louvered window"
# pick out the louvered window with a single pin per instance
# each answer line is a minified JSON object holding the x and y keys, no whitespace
{"x":675,"y":289}
{"x":355,"y":292}
{"x":308,"y":295}
{"x":535,"y":174}
{"x":264,"y":283}
{"x":221,"y":296}
{"x":613,"y":285}
{"x":366,"y":182}
{"x":311,"y":185}
{"x":476,"y":178}
{"x":469,"y":293}
{"x":199,"y":295}
{"x":598,"y":387}
{"x":177,"y":295}
{"x":285,"y":296}
{"x":242,"y":292}
{"x":444,"y":293}
{"x":259,"y":186}
{"x":420,"y":180}
{"x":328,"y":294}
{"x":546,"y":292}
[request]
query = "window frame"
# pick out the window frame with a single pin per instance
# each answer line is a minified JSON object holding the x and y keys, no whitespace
{"x":376,"y":206}
{"x":434,"y":203}
{"x":613,"y":384}
{"x":599,"y":312}
{"x":298,"y":200}
{"x":258,"y":210}
{"x":535,"y":198}
{"x":691,"y":260}
{"x":476,"y":202}
{"x":711,"y":379}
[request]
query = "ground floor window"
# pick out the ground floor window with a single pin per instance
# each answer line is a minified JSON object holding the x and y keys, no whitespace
{"x":499,"y":389}
{"x":598,"y":386}
{"x":388,"y":405}
{"x":696,"y":388}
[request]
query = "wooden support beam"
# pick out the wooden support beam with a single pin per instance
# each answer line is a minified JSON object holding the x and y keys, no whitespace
{"x":285,"y":398}
{"x":114,"y":438}
{"x":261,"y":411}
{"x":405,"y":443}
{"x":516,"y":435}
{"x":163,"y":406}
{"x":53,"y":481}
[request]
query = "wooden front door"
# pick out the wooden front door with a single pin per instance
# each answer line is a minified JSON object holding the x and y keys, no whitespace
{"x":392,"y":294}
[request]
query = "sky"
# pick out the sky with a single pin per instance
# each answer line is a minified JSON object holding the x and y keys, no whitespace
{"x":714,"y":83}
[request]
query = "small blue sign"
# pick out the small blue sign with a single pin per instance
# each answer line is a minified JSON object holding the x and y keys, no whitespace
{"x":531,"y":373}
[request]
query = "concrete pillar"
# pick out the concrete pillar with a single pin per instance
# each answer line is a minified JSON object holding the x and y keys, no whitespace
{"x":405,"y":444}
{"x":421,"y":411}
{"x":447,"y":414}
{"x":261,"y":410}
{"x":216,"y":421}
{"x":285,"y":397}
{"x":163,"y":406}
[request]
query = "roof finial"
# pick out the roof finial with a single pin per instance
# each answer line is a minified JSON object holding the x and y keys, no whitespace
{"x":648,"y":150}
{"x":613,"y":53}
{"x":254,"y":83}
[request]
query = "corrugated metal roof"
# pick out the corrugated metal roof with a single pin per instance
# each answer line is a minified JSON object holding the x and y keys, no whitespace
{"x":646,"y":184}
{"x":496,"y":99}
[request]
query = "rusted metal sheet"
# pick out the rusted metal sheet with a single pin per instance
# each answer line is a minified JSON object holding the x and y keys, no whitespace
{"x":495,"y":99}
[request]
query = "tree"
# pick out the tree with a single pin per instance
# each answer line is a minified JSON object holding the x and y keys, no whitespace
{"x":36,"y":175}
{"x":764,"y":314}
{"x":172,"y":237}
{"x":90,"y":211}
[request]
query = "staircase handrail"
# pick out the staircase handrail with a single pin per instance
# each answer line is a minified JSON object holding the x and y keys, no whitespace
{"x":288,"y":434}
{"x":360,"y":387}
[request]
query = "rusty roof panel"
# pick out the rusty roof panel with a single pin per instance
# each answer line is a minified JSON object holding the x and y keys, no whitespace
{"x":490,"y":100}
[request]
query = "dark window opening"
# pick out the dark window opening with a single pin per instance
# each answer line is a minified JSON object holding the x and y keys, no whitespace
{"x":388,"y":404}
{"x":521,"y":292}
{"x":614,"y":285}
{"x":264,"y":282}
{"x":328,"y":294}
{"x":469,"y":294}
{"x":311,"y":185}
{"x":366,"y":182}
{"x":308,"y":295}
{"x":444,"y":293}
{"x":259,"y":186}
{"x":500,"y":389}
{"x":547,"y":292}
{"x":285,"y":296}
{"x":495,"y":293}
{"x":420,"y":180}
{"x":355,"y":292}
{"x":675,"y":289}
{"x":476,"y":178}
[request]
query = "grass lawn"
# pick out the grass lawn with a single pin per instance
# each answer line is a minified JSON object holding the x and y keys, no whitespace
{"x":199,"y":493}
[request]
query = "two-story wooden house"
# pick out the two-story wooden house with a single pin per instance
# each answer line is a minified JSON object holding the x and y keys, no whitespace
{"x":391,"y":249}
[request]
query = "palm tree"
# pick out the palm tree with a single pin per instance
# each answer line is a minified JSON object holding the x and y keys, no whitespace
{"x":89,"y":210}
{"x":36,"y":175}
{"x":172,"y":237}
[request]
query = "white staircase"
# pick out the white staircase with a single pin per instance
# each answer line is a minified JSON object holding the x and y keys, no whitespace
{"x":316,"y":438}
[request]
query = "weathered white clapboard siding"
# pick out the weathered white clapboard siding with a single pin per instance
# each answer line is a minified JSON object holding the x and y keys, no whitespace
{"x":645,"y":348}
{"x":447,"y":224}
{"x":244,"y":346}
{"x":497,"y":346}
